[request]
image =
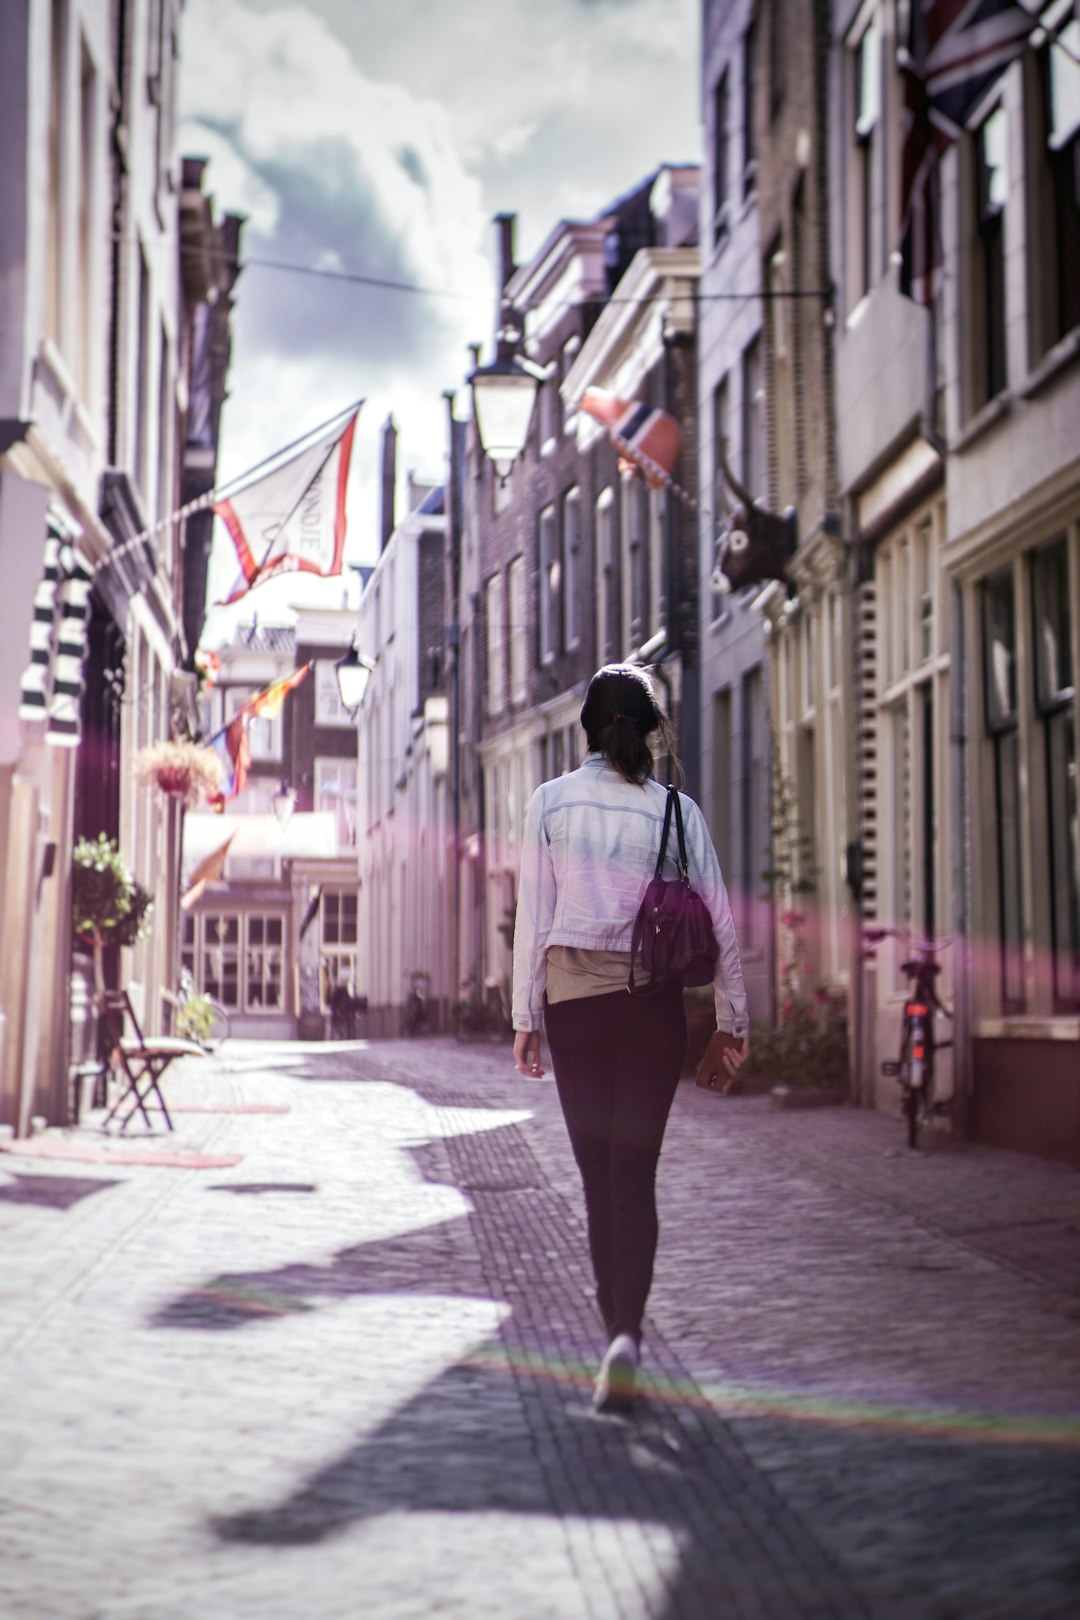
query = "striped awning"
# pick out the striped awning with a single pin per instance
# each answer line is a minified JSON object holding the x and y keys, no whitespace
{"x":50,"y":690}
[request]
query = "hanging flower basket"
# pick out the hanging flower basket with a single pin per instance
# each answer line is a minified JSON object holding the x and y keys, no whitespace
{"x":181,"y":769}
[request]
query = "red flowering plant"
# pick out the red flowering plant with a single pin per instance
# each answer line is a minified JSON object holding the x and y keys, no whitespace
{"x":181,"y":769}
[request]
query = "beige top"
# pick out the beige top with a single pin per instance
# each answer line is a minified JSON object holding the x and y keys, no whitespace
{"x":574,"y":972}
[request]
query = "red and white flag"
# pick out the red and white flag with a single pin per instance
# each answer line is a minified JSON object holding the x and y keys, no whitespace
{"x":292,"y":520}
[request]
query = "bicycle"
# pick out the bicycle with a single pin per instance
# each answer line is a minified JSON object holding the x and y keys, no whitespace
{"x":918,"y":1046}
{"x":198,"y":1017}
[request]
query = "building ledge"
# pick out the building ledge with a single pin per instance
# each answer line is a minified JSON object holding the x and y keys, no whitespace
{"x":1054,"y":360}
{"x":1023,"y":1028}
{"x":982,"y":421}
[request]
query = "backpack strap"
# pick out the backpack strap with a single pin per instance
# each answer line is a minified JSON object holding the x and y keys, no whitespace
{"x":683,"y":863}
{"x":672,"y":796}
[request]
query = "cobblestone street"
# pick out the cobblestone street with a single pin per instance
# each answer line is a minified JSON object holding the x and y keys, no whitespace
{"x":348,"y":1376}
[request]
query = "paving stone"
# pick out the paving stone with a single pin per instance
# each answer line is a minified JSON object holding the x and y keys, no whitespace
{"x":351,"y":1375}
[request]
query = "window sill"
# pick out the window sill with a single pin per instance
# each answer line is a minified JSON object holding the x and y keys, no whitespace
{"x":983,"y":420}
{"x":1054,"y":360}
{"x":1063,"y":1027}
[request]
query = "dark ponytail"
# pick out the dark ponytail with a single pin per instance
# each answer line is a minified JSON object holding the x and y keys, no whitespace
{"x":620,"y":714}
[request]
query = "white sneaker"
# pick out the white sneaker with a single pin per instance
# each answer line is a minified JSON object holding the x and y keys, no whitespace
{"x":614,"y":1389}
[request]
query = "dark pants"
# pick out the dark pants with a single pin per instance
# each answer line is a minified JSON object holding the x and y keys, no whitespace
{"x":617,"y":1060}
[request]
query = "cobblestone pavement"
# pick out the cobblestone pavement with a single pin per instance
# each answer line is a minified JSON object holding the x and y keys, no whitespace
{"x":348,"y":1377}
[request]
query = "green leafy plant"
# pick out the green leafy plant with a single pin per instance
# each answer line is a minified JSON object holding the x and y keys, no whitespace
{"x":108,"y":904}
{"x":194,"y":1019}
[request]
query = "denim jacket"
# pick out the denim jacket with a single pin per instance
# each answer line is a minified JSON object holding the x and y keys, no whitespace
{"x":588,"y":852}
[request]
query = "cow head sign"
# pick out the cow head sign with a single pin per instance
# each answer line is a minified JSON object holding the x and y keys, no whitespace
{"x":758,"y":544}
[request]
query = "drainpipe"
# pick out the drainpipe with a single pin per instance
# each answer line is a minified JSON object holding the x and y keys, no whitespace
{"x":453,"y":638}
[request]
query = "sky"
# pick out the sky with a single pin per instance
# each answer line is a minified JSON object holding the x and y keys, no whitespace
{"x":378,"y":140}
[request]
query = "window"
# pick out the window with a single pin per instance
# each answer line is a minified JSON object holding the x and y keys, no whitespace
{"x":496,"y":624}
{"x":988,"y":365}
{"x":335,"y":791}
{"x":749,"y":89}
{"x":549,"y":410}
{"x":86,"y":205}
{"x":1054,"y":707}
{"x":754,"y":469}
{"x":549,"y":584}
{"x":54,"y":227}
{"x":516,"y":579}
{"x":607,"y":609}
{"x":163,"y":494}
{"x":754,"y":770}
{"x":722,"y":497}
{"x":798,"y":325}
{"x":777,"y":59}
{"x":142,"y":378}
{"x":865,"y":71}
{"x":571,"y":562}
{"x":238,"y":958}
{"x":721,"y":158}
{"x":1056,"y":189}
{"x":329,"y":709}
{"x":265,"y":963}
{"x":635,"y":521}
{"x":1002,"y":728}
{"x":338,"y":910}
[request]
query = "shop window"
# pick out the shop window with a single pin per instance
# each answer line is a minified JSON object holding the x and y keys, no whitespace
{"x":1054,"y":705}
{"x":338,"y":934}
{"x":238,"y":958}
{"x":1003,"y":734}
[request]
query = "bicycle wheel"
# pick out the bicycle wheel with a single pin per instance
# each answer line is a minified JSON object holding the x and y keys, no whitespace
{"x":219,"y":1027}
{"x":911,"y":1114}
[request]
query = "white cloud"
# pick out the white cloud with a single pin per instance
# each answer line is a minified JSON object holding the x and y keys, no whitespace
{"x":380,"y":140}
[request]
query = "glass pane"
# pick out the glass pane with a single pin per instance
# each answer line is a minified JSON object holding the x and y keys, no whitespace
{"x":1007,"y":759}
{"x":1064,"y":859}
{"x":1000,"y":649}
{"x":993,"y":155}
{"x":275,"y":930}
{"x":1053,"y":634}
{"x":1065,"y":83}
{"x":255,"y":930}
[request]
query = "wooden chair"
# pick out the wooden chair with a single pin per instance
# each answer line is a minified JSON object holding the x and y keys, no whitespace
{"x":141,"y":1061}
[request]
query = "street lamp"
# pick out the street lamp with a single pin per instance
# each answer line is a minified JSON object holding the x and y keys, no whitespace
{"x":504,"y":392}
{"x":353,"y":673}
{"x":283,"y":804}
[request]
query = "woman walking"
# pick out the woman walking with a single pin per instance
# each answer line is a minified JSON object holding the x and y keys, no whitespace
{"x":589,"y":849}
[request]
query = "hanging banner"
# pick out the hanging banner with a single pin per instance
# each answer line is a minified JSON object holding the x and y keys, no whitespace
{"x":292,"y":520}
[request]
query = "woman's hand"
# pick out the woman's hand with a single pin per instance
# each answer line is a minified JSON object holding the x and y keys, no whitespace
{"x":736,"y":1056}
{"x":527,"y":1054}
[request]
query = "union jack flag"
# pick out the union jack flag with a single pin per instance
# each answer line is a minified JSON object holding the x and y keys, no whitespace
{"x":956,"y":49}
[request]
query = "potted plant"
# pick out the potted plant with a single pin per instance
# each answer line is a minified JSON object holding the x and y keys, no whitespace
{"x":108,"y":905}
{"x":180,"y":768}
